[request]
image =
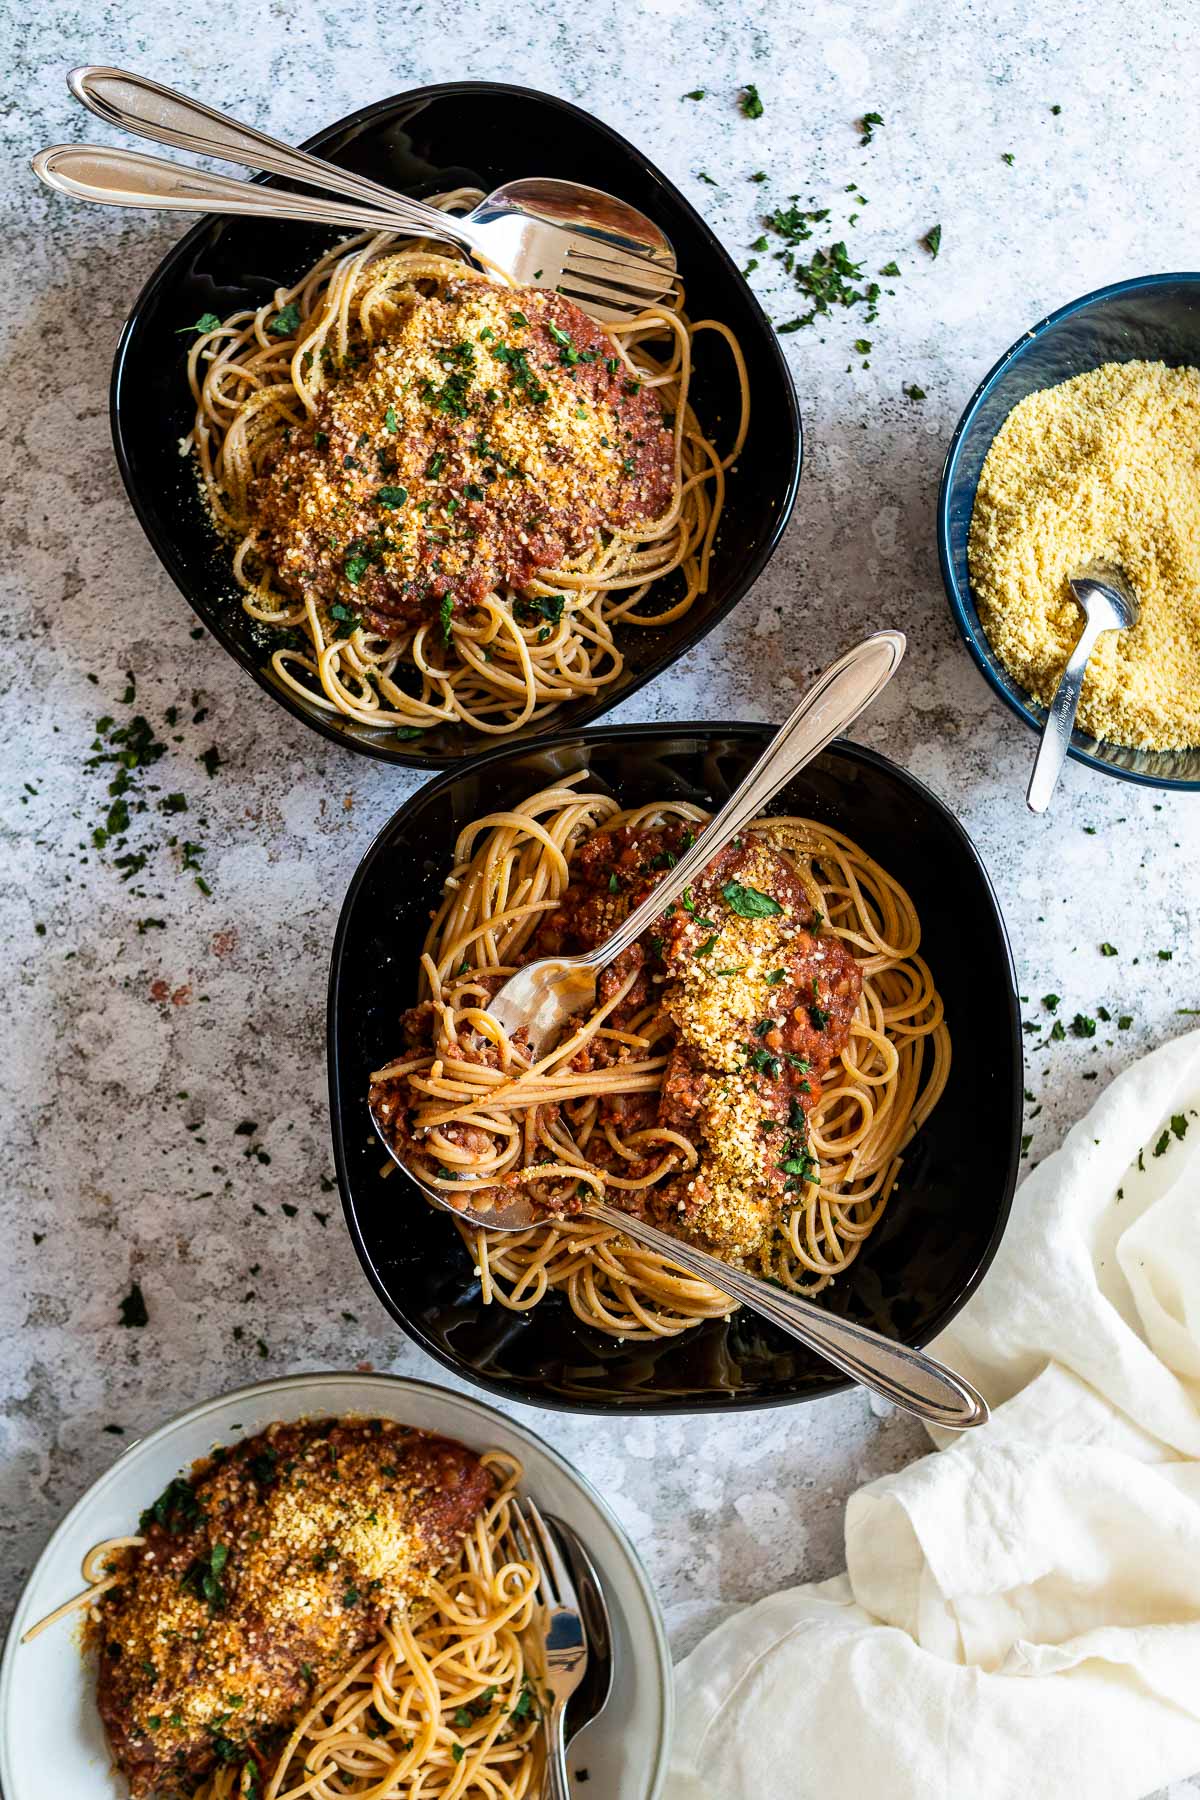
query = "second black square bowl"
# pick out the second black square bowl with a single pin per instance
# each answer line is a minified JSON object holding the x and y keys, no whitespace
{"x":946,"y":1218}
{"x":428,"y":141}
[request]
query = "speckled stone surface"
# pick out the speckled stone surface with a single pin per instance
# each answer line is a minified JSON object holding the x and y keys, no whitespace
{"x":132,"y":1057}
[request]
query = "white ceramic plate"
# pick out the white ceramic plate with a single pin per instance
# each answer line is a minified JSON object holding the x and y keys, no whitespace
{"x":51,"y":1739}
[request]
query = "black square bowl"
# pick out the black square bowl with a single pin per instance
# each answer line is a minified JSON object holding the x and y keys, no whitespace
{"x":945,"y":1221}
{"x":429,"y":140}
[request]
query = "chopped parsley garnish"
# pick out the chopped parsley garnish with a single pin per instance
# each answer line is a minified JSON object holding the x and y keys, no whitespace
{"x":1050,"y":1002}
{"x":694,"y":94}
{"x":391,"y":497}
{"x":521,"y":375}
{"x":932,"y":240}
{"x":543,"y":606}
{"x":390,"y":421}
{"x":355,"y":567}
{"x":913,"y":392}
{"x":203,"y":1577}
{"x":285,"y":321}
{"x":614,"y":886}
{"x":1108,"y":949}
{"x":1082,"y":1026}
{"x":706,"y":948}
{"x":1163,"y":1144}
{"x":133,"y":1307}
{"x":775,"y":976}
{"x":177,"y":1509}
{"x":204,"y":324}
{"x":749,"y":104}
{"x":749,"y":902}
{"x":763,"y":1062}
{"x":1008,"y":157}
{"x":445,"y":615}
{"x":867,"y":125}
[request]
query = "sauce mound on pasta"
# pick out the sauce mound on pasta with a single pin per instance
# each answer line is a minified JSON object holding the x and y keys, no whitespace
{"x":260,"y":1580}
{"x":490,"y":435}
{"x":756,"y":1003}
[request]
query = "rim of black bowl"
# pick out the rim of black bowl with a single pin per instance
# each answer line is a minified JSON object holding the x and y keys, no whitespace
{"x":1077,"y":749}
{"x":163,"y":545}
{"x":713,"y":1401}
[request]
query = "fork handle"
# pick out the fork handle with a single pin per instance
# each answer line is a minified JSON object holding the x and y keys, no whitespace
{"x":149,"y":110}
{"x":911,"y":1379}
{"x":129,"y":178}
{"x":557,"y":1786}
{"x":845,"y":689}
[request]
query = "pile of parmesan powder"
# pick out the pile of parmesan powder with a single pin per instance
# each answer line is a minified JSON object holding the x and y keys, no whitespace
{"x":1102,"y":467}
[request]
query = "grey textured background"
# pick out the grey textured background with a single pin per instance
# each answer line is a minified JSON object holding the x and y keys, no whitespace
{"x":131,"y":1058}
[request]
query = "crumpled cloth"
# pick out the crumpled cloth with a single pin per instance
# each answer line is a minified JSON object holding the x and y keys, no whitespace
{"x":1020,"y":1613}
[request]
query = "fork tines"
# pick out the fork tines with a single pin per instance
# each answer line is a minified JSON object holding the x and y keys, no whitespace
{"x":537,"y":1542}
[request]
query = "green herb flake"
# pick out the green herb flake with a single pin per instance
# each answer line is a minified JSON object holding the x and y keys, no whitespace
{"x":932,"y":241}
{"x":133,"y":1308}
{"x":749,"y":104}
{"x":748,"y":902}
{"x":286,"y":321}
{"x":204,"y":324}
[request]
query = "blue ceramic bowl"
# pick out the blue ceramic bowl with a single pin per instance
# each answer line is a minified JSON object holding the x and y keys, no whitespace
{"x":1156,"y":318}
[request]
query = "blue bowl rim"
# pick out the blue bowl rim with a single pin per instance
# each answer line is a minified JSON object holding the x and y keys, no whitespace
{"x":746,"y":731}
{"x":969,"y":635}
{"x":586,"y":713}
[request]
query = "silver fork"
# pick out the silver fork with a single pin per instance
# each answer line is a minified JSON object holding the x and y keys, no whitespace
{"x":564,"y":1647}
{"x":587,"y":244}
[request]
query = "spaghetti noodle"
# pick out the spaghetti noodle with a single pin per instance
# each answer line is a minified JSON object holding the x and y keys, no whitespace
{"x":491,"y":645}
{"x":824,"y":1050}
{"x":442,"y":1705}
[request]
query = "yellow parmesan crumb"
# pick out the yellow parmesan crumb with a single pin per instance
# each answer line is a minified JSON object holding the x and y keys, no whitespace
{"x":1106,"y":467}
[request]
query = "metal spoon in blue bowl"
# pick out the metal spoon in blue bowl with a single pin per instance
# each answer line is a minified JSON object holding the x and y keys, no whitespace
{"x":1109,"y":604}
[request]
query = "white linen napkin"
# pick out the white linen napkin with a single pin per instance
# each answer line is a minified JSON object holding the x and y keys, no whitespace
{"x":1020,"y":1614}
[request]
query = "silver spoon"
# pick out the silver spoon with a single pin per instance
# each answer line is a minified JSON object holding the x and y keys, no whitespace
{"x":544,"y":996}
{"x":1109,"y":604}
{"x":596,"y":1687}
{"x":589,"y":245}
{"x":909,"y":1378}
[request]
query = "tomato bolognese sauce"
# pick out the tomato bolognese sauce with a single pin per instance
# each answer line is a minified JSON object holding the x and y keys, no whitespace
{"x":448,"y":496}
{"x":754,"y":1067}
{"x":331,"y":1606}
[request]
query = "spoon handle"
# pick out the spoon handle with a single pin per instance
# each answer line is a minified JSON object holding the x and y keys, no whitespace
{"x":909,"y":1378}
{"x":129,"y":178}
{"x":149,"y":110}
{"x":1060,"y":720}
{"x":845,"y":689}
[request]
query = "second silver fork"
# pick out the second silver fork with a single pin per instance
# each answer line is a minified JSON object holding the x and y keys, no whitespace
{"x":564,"y":1638}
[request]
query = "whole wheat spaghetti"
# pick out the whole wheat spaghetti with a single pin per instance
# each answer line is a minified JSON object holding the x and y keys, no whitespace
{"x":750,"y":1076}
{"x":448,"y":499}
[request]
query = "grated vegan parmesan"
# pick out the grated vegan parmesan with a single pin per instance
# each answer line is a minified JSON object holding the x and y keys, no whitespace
{"x":1104,"y":466}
